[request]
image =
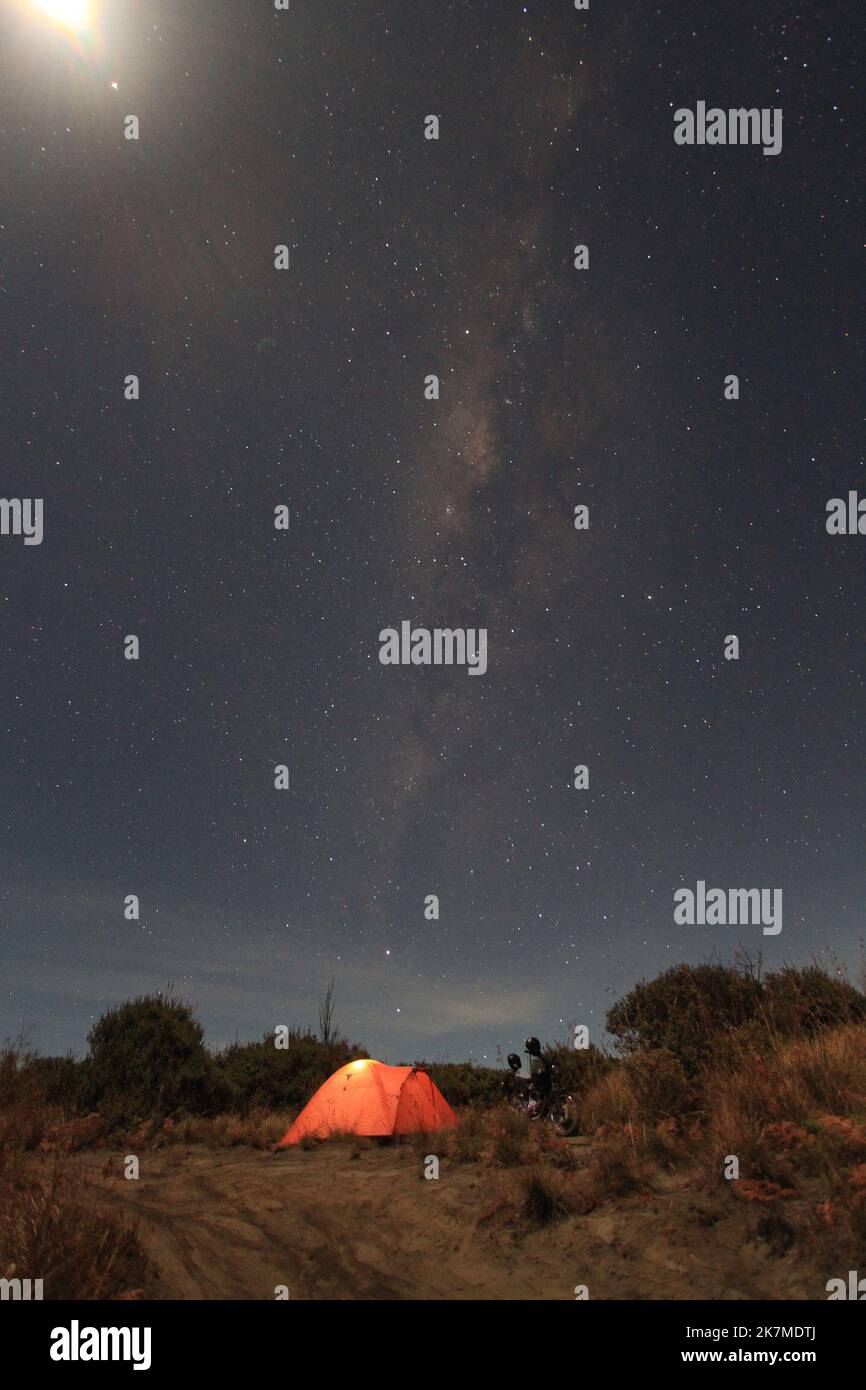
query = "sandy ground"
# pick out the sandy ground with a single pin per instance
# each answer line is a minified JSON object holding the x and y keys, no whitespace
{"x":235,"y":1223}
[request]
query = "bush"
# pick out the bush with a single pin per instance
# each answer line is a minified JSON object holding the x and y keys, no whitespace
{"x":23,"y":1114}
{"x":57,"y":1079}
{"x":464,"y":1083}
{"x":579,"y":1068}
{"x":801,"y":1003}
{"x":693,"y":1011}
{"x":260,"y":1076}
{"x":148,"y":1062}
{"x":660,"y":1083}
{"x":682,"y":1009}
{"x":147,"y":1059}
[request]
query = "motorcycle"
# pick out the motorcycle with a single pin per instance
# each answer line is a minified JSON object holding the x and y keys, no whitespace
{"x":542,"y":1095}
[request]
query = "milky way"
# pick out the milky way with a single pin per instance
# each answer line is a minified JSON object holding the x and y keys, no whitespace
{"x":411,"y":258}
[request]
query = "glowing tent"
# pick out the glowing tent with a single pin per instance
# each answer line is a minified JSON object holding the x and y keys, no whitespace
{"x":367,"y":1097}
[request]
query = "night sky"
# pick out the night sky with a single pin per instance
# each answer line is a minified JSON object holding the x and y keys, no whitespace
{"x":304,"y":388}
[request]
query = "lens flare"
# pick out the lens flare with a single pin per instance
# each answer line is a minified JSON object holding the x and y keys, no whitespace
{"x":71,"y":14}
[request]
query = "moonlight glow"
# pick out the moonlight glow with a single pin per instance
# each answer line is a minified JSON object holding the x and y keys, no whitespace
{"x":71,"y":14}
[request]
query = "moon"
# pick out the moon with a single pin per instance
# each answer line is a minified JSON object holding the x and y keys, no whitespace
{"x":70,"y":14}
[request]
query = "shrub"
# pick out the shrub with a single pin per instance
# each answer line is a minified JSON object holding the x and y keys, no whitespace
{"x":694,"y":1011}
{"x":260,"y":1076}
{"x":682,"y":1009}
{"x":579,"y":1068}
{"x":804,"y":1002}
{"x":23,"y":1116}
{"x":660,"y":1084}
{"x":464,"y":1083}
{"x":57,"y":1079}
{"x":147,"y":1058}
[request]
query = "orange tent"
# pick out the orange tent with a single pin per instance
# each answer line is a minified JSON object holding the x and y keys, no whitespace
{"x":367,"y":1097}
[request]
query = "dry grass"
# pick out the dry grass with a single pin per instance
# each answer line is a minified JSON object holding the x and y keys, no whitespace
{"x":50,"y":1231}
{"x":793,"y":1114}
{"x":619,"y":1166}
{"x":547,"y":1196}
{"x":796,"y":1119}
{"x":346,"y":1137}
{"x":23,"y":1114}
{"x":499,"y":1138}
{"x":611,"y":1101}
{"x":260,"y":1129}
{"x":23,"y":1126}
{"x":467,"y":1140}
{"x":766,"y":1107}
{"x":537,"y":1195}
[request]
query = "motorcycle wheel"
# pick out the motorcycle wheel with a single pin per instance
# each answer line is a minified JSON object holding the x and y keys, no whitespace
{"x":564,"y":1118}
{"x":514,"y":1096}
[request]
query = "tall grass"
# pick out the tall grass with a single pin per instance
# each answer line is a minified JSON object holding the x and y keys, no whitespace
{"x":50,"y":1230}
